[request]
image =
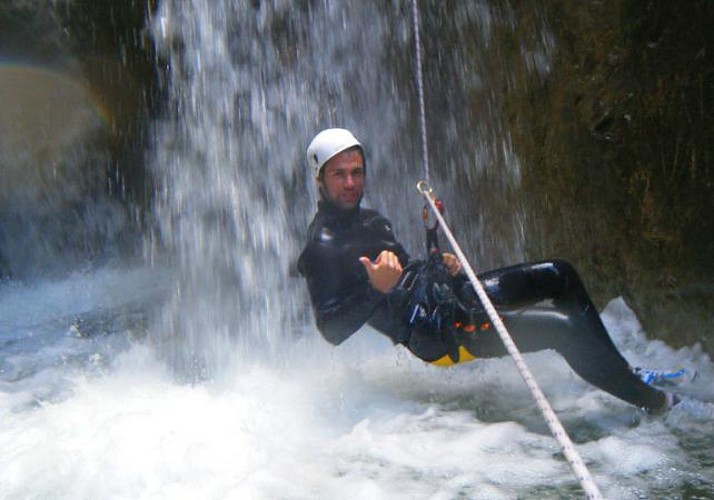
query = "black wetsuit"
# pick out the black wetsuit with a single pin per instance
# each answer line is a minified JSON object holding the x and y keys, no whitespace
{"x":544,"y":305}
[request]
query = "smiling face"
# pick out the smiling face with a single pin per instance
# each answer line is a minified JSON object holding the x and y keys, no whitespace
{"x":342,"y":179}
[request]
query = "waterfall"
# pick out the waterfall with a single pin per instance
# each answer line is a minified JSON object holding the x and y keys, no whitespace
{"x":249,"y":84}
{"x":86,"y":408}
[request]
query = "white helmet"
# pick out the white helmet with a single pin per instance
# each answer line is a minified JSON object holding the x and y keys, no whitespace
{"x":327,"y":144}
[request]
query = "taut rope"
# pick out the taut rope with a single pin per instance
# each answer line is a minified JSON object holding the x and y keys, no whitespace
{"x":420,"y":90}
{"x":556,"y":428}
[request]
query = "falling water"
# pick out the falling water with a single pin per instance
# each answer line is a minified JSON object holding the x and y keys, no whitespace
{"x":249,"y":84}
{"x":234,"y":193}
{"x":90,"y":402}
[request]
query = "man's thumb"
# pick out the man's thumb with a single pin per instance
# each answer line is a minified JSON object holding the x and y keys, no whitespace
{"x":366,"y":263}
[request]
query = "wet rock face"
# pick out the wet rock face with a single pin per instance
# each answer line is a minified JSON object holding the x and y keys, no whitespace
{"x":616,"y":143}
{"x":606,"y":108}
{"x":78,"y":84}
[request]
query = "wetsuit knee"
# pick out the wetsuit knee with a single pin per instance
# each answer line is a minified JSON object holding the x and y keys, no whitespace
{"x":565,"y":273}
{"x":550,"y":279}
{"x":562,"y":266}
{"x":557,"y":280}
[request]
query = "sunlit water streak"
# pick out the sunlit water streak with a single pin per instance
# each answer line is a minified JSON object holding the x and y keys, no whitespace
{"x":248,"y":85}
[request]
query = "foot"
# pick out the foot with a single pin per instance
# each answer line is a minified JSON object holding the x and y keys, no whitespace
{"x":662,"y":378}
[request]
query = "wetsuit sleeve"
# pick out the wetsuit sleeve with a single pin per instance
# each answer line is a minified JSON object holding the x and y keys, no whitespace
{"x":341,"y":304}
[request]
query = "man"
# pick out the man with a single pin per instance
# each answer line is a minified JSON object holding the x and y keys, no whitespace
{"x":357,"y":273}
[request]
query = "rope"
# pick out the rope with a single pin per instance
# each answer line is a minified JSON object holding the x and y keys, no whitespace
{"x":420,"y":90}
{"x":556,"y":428}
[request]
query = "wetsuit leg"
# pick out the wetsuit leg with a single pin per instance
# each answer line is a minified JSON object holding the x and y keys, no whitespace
{"x":545,"y":306}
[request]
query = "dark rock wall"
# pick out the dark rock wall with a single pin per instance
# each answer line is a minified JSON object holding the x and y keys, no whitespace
{"x":68,"y":205}
{"x":616,"y":144}
{"x":113,"y":43}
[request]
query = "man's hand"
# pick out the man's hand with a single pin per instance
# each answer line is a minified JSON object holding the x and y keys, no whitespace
{"x":384,"y":273}
{"x":452,"y":263}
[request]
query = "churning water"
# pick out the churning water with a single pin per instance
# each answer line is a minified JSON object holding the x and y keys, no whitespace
{"x":88,"y":411}
{"x":200,"y":374}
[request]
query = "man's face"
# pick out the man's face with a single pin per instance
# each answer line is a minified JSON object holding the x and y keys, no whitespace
{"x":342,"y":180}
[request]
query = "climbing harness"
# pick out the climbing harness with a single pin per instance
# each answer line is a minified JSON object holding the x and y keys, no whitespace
{"x":424,"y":187}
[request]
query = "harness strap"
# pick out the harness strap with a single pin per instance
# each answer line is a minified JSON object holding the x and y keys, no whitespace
{"x":432,"y":235}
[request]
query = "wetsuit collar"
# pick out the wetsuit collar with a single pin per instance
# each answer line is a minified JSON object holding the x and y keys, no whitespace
{"x":335,"y":213}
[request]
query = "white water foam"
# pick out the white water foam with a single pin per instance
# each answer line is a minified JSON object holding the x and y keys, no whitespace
{"x":364,"y":420}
